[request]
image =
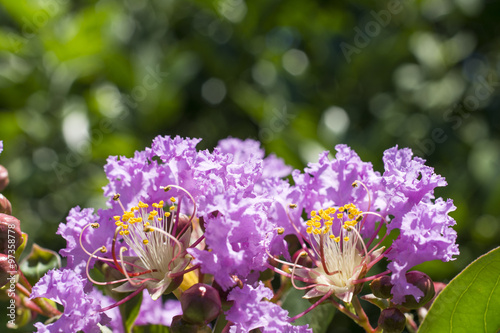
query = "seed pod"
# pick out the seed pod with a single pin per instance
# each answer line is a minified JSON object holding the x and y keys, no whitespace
{"x":5,"y":206}
{"x":200,"y":304}
{"x":4,"y":178}
{"x":423,"y":282}
{"x":392,"y":320}
{"x":10,"y":233}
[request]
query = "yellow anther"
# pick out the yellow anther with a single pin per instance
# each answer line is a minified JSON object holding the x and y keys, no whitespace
{"x":126,"y":232}
{"x":355,"y":184}
{"x":309,"y":230}
{"x":337,"y":239}
{"x":121,"y":232}
{"x":172,"y":208}
{"x":147,"y":229}
{"x":316,"y":231}
{"x":145,"y":241}
{"x":166,"y":189}
{"x":317,"y":224}
{"x":118,"y":223}
{"x":346,"y":239}
{"x":117,"y":217}
{"x":313,"y":213}
{"x":103,"y":249}
{"x":281,"y":231}
{"x":94,"y":225}
{"x":332,"y":236}
{"x":116,"y":197}
{"x":309,"y":223}
{"x":341,"y":209}
{"x":125,"y":226}
{"x":146,"y":224}
{"x":167,"y":214}
{"x":340,"y":215}
{"x":160,"y":204}
{"x":293,"y":206}
{"x":172,"y":199}
{"x":153,"y":213}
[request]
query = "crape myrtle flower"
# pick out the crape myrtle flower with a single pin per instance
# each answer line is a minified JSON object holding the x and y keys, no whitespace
{"x":210,"y":189}
{"x":347,"y":204}
{"x":251,"y":310}
{"x":81,"y":311}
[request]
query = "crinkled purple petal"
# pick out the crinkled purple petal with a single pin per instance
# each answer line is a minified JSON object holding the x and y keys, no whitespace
{"x":249,"y":311}
{"x":81,"y":311}
{"x":238,"y":236}
{"x":425,"y":235}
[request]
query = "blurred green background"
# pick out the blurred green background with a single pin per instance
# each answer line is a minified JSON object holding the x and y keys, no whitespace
{"x":82,"y":80}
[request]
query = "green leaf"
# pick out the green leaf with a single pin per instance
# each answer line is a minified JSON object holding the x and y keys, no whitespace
{"x":318,"y":319}
{"x":129,"y":311}
{"x":39,"y":262}
{"x":471,"y":301}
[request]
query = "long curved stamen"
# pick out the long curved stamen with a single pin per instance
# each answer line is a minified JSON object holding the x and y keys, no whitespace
{"x":327,"y":295}
{"x":166,"y":188}
{"x":367,"y":192}
{"x":120,"y":302}
{"x":302,"y":237}
{"x":281,"y":272}
{"x":372,"y":238}
{"x":322,"y":256}
{"x":94,"y":281}
{"x":358,"y":236}
{"x":370,"y":278}
{"x":281,"y":261}
{"x":295,"y":264}
{"x":174,"y":275}
{"x":92,"y":255}
{"x":113,"y":247}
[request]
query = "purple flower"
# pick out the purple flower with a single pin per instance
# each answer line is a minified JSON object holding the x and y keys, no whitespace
{"x":81,"y":311}
{"x":347,"y":201}
{"x":250,"y":311}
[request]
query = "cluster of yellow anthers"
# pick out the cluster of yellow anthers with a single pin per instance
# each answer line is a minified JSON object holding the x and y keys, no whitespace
{"x":139,"y":214}
{"x":322,"y":220}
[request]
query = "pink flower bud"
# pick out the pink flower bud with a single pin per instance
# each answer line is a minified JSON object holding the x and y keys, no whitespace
{"x":8,"y":267}
{"x":423,"y":282}
{"x":381,"y":287}
{"x":5,"y":206}
{"x":10,"y":234}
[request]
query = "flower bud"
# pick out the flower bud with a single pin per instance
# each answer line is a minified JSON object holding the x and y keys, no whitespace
{"x":7,"y":268}
{"x":4,"y":178}
{"x":5,"y":206}
{"x":304,"y":259}
{"x":179,"y":325}
{"x":10,"y":233}
{"x":200,"y":304}
{"x":423,"y":282}
{"x":381,"y":287}
{"x":392,"y":320}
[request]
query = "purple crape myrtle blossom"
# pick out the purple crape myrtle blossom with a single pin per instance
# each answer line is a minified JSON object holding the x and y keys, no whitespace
{"x":81,"y":311}
{"x":218,"y":189}
{"x":250,"y":311}
{"x":347,"y":203}
{"x":423,"y":221}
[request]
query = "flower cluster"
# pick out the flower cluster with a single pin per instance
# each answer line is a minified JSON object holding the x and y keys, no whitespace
{"x":177,"y":217}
